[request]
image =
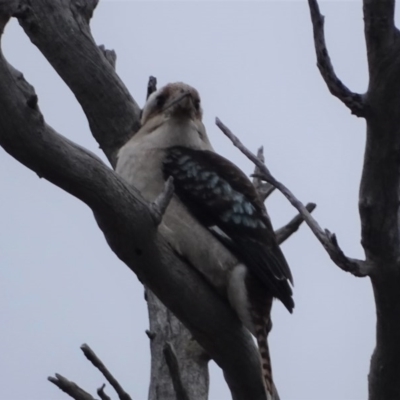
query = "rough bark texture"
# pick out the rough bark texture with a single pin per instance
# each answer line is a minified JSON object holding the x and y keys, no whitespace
{"x":379,"y":190}
{"x":59,"y":28}
{"x":379,"y":193}
{"x":193,"y":360}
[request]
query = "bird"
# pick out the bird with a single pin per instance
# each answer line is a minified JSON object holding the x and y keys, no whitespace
{"x":215,"y":219}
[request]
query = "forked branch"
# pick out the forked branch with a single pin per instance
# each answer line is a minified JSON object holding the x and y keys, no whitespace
{"x":293,"y":225}
{"x":328,"y":240}
{"x":354,"y":101}
{"x":264,"y":189}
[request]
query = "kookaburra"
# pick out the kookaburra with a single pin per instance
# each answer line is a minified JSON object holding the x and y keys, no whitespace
{"x":215,"y":219}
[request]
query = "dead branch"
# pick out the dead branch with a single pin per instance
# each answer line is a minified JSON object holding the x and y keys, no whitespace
{"x":293,"y":225}
{"x":354,"y":101}
{"x":328,"y":240}
{"x":151,"y":335}
{"x":151,"y":86}
{"x":71,"y":388}
{"x":175,"y":372}
{"x":264,"y":189}
{"x":92,"y":357}
{"x":64,"y":34}
{"x":103,"y":395}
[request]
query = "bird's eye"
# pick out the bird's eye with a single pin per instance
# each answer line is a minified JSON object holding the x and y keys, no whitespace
{"x":161,"y":100}
{"x":196,"y":104}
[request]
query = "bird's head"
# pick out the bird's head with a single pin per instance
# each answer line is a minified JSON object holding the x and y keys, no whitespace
{"x":175,"y":100}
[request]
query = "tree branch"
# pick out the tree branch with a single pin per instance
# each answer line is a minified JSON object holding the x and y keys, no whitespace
{"x":293,"y":225}
{"x":328,"y":240}
{"x":71,"y":388}
{"x":151,"y":335}
{"x":354,"y":101}
{"x":65,"y":40}
{"x":264,"y":189}
{"x":92,"y":357}
{"x":151,"y":86}
{"x":175,"y":372}
{"x":102,"y":393}
{"x":125,"y":219}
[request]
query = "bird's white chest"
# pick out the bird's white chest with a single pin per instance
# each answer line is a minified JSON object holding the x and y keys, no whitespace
{"x":140,"y":160}
{"x":141,"y":167}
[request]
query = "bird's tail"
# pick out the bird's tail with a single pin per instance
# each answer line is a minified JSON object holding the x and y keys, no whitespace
{"x":261,"y":305}
{"x":266,"y":367}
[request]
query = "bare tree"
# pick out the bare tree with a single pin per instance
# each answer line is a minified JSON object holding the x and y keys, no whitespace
{"x":60,"y":30}
{"x":379,"y":189}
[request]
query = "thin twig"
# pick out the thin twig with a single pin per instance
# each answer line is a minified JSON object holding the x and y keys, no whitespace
{"x":71,"y":388}
{"x":91,"y":356}
{"x":173,"y":366}
{"x":103,"y":395}
{"x":162,"y":201}
{"x":354,"y":101}
{"x":151,"y":86}
{"x":328,"y":240}
{"x":264,"y":189}
{"x":292,"y":226}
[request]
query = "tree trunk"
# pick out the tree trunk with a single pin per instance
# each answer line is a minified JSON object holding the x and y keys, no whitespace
{"x":379,"y":197}
{"x":192,"y":359}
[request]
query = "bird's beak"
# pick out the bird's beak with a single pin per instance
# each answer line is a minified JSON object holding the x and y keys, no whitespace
{"x":176,"y":100}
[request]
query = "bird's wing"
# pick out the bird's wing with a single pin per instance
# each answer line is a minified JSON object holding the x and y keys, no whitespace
{"x":222,"y":198}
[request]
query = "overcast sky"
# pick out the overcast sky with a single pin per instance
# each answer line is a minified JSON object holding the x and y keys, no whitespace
{"x":254,"y":66}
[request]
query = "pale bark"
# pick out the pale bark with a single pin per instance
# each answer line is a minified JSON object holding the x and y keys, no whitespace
{"x":192,"y":359}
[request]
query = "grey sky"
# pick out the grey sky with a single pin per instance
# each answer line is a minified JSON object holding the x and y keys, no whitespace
{"x":254,"y":66}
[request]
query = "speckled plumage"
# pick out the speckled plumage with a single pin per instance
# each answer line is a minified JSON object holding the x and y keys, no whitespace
{"x":215,"y":218}
{"x":219,"y":194}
